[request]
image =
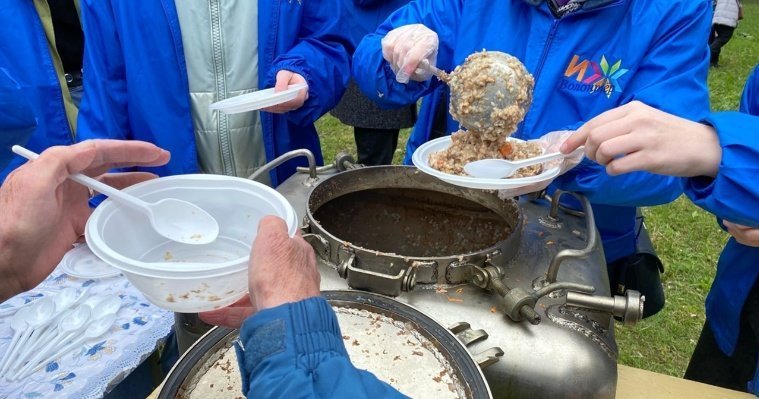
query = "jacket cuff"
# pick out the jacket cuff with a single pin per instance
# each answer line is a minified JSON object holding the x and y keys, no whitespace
{"x":299,"y":333}
{"x":308,"y":112}
{"x":701,"y":187}
{"x":727,"y":194}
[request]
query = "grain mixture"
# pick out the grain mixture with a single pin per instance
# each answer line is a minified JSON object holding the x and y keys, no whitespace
{"x":490,"y":95}
{"x":468,"y":146}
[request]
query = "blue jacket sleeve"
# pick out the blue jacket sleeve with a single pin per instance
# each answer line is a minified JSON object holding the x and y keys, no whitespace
{"x":734,"y":193}
{"x":17,"y":120}
{"x":673,"y":79}
{"x":373,"y":74}
{"x":750,"y":99}
{"x":296,"y":350}
{"x":103,"y":111}
{"x":320,"y":55}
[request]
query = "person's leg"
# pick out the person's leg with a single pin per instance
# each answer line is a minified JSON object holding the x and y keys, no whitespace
{"x":375,"y":146}
{"x":712,"y":35}
{"x":724,"y":33}
{"x":709,"y":365}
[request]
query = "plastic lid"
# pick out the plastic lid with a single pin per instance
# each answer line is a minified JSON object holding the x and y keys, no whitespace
{"x":257,"y":99}
{"x":82,"y":263}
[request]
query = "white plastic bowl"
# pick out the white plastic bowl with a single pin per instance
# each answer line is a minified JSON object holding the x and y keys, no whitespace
{"x":180,"y":277}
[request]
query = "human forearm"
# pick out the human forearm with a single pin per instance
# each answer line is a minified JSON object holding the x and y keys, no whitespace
{"x":296,"y":349}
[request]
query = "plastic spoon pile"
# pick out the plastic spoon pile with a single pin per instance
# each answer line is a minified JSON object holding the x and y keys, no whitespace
{"x":172,"y":218}
{"x":54,"y":326}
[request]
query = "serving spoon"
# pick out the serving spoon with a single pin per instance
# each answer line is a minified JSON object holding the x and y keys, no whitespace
{"x":483,"y":89}
{"x":172,"y":218}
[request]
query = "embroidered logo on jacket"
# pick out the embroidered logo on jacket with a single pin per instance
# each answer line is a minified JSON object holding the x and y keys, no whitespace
{"x":593,"y":76}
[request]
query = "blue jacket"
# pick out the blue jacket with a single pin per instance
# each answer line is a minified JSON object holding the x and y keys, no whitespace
{"x":29,"y":83}
{"x":649,"y":50}
{"x":733,"y":195}
{"x":363,"y":16}
{"x":136,"y":77}
{"x":296,"y":350}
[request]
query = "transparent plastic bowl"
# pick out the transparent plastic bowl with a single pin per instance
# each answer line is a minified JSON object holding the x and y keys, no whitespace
{"x":181,"y":277}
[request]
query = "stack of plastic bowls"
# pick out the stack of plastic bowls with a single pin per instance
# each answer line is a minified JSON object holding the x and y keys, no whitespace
{"x":181,"y":277}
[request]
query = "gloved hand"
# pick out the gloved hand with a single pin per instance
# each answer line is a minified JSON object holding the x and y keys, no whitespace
{"x":406,"y":47}
{"x":550,"y":142}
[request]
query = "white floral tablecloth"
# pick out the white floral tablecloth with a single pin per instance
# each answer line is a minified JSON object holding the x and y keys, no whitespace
{"x":98,"y":365}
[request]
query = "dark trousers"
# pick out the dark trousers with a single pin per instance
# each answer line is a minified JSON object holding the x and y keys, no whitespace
{"x":720,"y":35}
{"x":375,"y":146}
{"x":710,"y":366}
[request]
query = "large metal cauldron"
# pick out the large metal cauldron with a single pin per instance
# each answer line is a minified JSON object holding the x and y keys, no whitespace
{"x":388,"y":228}
{"x":206,"y":353}
{"x":524,"y":287}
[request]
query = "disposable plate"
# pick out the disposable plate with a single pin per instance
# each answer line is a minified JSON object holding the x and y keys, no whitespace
{"x":257,"y":99}
{"x":421,"y":157}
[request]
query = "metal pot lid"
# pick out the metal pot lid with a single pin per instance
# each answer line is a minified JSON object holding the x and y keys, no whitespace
{"x":424,"y":356}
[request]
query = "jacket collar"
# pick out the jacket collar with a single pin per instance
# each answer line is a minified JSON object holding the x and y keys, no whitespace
{"x":589,"y":4}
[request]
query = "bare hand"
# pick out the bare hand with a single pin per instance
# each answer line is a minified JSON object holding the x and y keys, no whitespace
{"x":284,"y":79}
{"x":637,"y":137}
{"x":748,"y":236}
{"x":43,"y":213}
{"x":282,"y":270}
{"x":231,"y":316}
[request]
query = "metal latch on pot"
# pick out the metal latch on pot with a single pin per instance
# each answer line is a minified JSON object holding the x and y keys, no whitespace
{"x":467,"y":336}
{"x":380,"y":283}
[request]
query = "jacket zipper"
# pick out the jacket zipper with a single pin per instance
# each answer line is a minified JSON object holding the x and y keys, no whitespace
{"x":549,"y":40}
{"x":543,"y":56}
{"x":221,"y":88}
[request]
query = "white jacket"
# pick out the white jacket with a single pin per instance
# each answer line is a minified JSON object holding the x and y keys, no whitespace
{"x":726,"y":13}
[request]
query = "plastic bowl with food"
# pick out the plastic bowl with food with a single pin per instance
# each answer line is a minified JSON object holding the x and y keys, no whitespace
{"x":421,"y":158}
{"x":181,"y":277}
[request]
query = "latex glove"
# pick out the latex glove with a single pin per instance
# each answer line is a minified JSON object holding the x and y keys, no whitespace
{"x":285,"y":79}
{"x":550,"y":142}
{"x":637,"y":137}
{"x":42,"y":213}
{"x":407,"y":46}
{"x":282,"y":270}
{"x":745,"y":235}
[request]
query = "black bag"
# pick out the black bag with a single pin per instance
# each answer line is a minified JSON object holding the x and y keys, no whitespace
{"x":640,"y":271}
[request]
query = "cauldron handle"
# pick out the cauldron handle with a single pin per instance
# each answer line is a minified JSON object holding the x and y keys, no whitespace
{"x":286,"y":157}
{"x":561,"y":256}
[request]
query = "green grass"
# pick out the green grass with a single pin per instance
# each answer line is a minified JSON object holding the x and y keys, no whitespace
{"x":687,"y":238}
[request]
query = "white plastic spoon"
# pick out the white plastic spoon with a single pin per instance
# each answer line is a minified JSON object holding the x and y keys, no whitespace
{"x":501,"y":168}
{"x":19,"y":324}
{"x":172,"y":218}
{"x":71,"y":323}
{"x":109,"y":305}
{"x":65,"y":299}
{"x":39,"y":313}
{"x":94,"y":330}
{"x":96,"y":307}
